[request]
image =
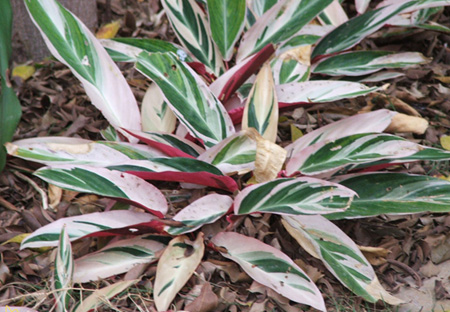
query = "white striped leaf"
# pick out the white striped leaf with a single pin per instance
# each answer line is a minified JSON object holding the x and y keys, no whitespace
{"x":69,"y":40}
{"x":365,"y":62}
{"x":226,"y":19}
{"x":155,"y":113}
{"x":289,"y":70}
{"x":352,"y":32}
{"x":170,"y":144}
{"x":100,"y":296}
{"x":279,"y":23}
{"x":375,"y":121}
{"x":83,"y":225}
{"x":333,"y":14}
{"x":105,"y":182}
{"x":175,"y":267}
{"x":261,"y":108}
{"x":190,"y":24}
{"x":394,"y":193}
{"x":205,"y":210}
{"x":64,"y":150}
{"x":342,"y":257}
{"x":259,"y":7}
{"x":270,"y":267}
{"x":381,"y":76}
{"x":117,"y":258}
{"x":63,"y":272}
{"x":189,"y":97}
{"x":236,"y":153}
{"x":363,"y":148}
{"x":302,"y":195}
{"x":127,"y":49}
{"x":318,"y":91}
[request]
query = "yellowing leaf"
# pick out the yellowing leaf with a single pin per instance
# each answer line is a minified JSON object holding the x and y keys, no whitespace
{"x":108,"y":31}
{"x":23,"y":71}
{"x":404,"y":123}
{"x":16,"y":239}
{"x":445,"y":142}
{"x":295,"y":133}
{"x":301,"y":54}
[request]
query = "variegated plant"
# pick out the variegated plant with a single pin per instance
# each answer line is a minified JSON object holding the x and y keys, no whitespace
{"x":190,"y":134}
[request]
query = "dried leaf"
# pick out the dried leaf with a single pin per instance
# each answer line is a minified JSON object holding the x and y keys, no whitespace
{"x":445,"y":142}
{"x":206,"y":301}
{"x":404,"y":123}
{"x":375,"y":255}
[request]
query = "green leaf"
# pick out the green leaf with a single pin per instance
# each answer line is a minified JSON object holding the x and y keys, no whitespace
{"x":105,"y":182}
{"x":331,"y":156}
{"x":63,"y":273}
{"x":116,"y":258}
{"x":226,"y":19}
{"x":71,"y":42}
{"x":156,"y":113}
{"x":175,"y":267}
{"x":9,"y":103}
{"x":278,"y":24}
{"x":394,"y":193}
{"x":127,"y":49}
{"x":293,"y":196}
{"x":190,"y":99}
{"x":342,"y":257}
{"x":365,"y":62}
{"x":289,"y":70}
{"x":270,"y":267}
{"x":191,"y":27}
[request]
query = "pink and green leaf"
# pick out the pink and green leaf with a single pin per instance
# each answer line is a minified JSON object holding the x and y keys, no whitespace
{"x":270,"y":267}
{"x":360,"y":63}
{"x":170,"y":144}
{"x":70,"y":41}
{"x":376,"y":121}
{"x":189,"y":97}
{"x":302,"y":195}
{"x":342,"y":257}
{"x":178,"y":169}
{"x":278,"y":24}
{"x":205,"y":210}
{"x":318,"y":91}
{"x":226,"y":19}
{"x":63,"y":273}
{"x":236,"y":153}
{"x":330,"y":156}
{"x":117,"y":258}
{"x":109,"y":183}
{"x":84,"y":225}
{"x":191,"y":26}
{"x":394,"y":193}
{"x":176,"y":265}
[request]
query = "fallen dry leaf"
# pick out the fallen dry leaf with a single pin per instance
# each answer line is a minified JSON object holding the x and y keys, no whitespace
{"x":206,"y":301}
{"x":375,"y":255}
{"x":108,"y":31}
{"x":403,"y":123}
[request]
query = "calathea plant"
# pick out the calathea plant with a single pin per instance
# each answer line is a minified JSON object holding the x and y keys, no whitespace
{"x":206,"y":91}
